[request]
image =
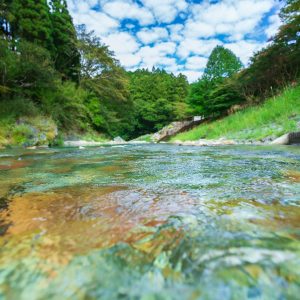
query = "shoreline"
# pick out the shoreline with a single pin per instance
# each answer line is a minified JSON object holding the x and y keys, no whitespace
{"x":83,"y":144}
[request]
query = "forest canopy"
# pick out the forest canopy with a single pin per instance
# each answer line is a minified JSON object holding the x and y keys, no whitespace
{"x":50,"y":67}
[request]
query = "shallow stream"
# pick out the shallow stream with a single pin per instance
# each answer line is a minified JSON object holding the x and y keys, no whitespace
{"x":150,"y":222}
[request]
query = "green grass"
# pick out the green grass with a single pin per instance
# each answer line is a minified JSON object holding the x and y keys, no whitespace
{"x":95,"y":137}
{"x":273,"y":118}
{"x":144,"y":138}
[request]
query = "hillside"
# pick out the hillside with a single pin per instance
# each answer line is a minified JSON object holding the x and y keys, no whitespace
{"x":273,"y":118}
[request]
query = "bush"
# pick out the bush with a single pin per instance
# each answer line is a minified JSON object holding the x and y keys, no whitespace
{"x":23,"y":135}
{"x":66,"y":106}
{"x":18,"y":107}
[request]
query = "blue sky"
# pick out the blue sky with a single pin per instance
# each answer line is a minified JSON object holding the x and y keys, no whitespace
{"x":178,"y":35}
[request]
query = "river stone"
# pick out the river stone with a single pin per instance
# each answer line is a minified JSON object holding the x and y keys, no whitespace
{"x":82,"y":143}
{"x":288,"y":139}
{"x":174,"y":128}
{"x":119,"y":140}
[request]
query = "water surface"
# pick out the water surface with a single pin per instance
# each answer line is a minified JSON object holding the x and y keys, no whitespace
{"x":150,"y":222}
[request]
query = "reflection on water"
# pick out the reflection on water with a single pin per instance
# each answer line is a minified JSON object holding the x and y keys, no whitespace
{"x":150,"y":222}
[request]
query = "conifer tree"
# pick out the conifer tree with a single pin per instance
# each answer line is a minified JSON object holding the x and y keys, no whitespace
{"x":31,"y":21}
{"x":67,"y":58}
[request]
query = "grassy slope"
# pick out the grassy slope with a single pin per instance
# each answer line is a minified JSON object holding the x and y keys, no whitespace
{"x":273,"y":118}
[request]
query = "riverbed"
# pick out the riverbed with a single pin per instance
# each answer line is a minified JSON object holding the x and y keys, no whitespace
{"x":150,"y":222}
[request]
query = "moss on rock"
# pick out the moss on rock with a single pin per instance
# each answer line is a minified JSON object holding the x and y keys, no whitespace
{"x":28,"y":131}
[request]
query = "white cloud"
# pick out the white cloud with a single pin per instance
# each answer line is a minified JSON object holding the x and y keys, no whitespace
{"x":274,"y":24}
{"x":128,"y":10}
{"x":245,"y":49}
{"x":196,"y":62}
{"x":176,"y":34}
{"x":175,"y":68}
{"x":199,"y":29}
{"x":81,"y":6}
{"x":192,"y":75}
{"x":83,"y":13}
{"x":155,"y":34}
{"x":199,"y":47}
{"x":158,"y":55}
{"x":129,"y":26}
{"x":229,"y":17}
{"x":165,"y":11}
{"x":121,"y":42}
{"x":129,"y":60}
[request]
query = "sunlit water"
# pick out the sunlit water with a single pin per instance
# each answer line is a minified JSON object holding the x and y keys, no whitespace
{"x":150,"y":222}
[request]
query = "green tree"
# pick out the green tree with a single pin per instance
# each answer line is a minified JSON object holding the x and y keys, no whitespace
{"x":222,"y":63}
{"x":108,"y":103}
{"x":196,"y":97}
{"x":28,"y":73}
{"x":278,"y":64}
{"x":67,"y":58}
{"x":31,"y":21}
{"x":158,"y":99}
{"x":290,"y":11}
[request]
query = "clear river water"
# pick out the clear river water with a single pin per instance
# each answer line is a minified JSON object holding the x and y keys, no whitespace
{"x":150,"y":222}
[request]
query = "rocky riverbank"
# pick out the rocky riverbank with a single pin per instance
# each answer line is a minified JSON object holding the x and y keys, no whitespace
{"x":28,"y":132}
{"x":42,"y":132}
{"x":292,"y":138}
{"x":84,"y":143}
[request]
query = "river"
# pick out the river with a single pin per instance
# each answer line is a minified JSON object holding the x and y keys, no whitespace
{"x":150,"y":222}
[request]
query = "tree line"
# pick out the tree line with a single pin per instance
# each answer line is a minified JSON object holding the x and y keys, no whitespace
{"x":47,"y":66}
{"x":50,"y":67}
{"x":226,"y":83}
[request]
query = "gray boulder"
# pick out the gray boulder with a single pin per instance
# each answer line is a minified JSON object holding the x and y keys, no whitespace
{"x":288,"y":139}
{"x":175,"y":128}
{"x":119,"y":140}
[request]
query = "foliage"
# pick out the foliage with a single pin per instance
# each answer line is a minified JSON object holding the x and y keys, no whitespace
{"x":27,"y":73}
{"x":274,"y":117}
{"x":66,"y":106}
{"x":108,"y":102}
{"x":27,"y":131}
{"x":270,"y":70}
{"x":5,"y":15}
{"x":21,"y":134}
{"x":18,"y":107}
{"x":144,"y":138}
{"x":30,"y":20}
{"x":278,"y":64}
{"x":67,"y":58}
{"x":222,"y":63}
{"x":224,"y":96}
{"x":213,"y":94}
{"x":158,"y":98}
{"x":76,"y":81}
